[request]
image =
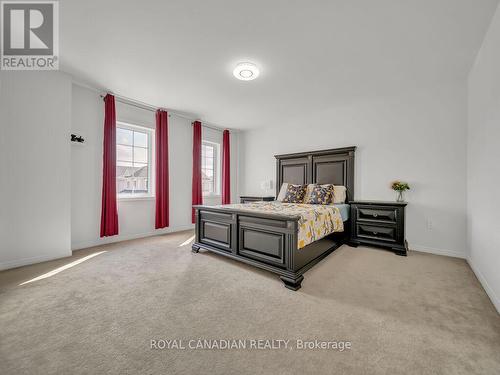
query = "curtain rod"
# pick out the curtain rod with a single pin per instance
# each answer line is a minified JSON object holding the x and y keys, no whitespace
{"x":149,"y":107}
{"x":134,"y":103}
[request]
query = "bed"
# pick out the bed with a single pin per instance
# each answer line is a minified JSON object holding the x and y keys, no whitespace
{"x":270,"y":235}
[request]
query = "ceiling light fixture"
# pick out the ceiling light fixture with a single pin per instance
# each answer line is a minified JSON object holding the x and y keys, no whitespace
{"x":246,"y":71}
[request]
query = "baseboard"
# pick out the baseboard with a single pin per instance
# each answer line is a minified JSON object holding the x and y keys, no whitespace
{"x":82,"y":245}
{"x":432,"y":250}
{"x":32,"y":260}
{"x":126,"y":237}
{"x":487,"y":288}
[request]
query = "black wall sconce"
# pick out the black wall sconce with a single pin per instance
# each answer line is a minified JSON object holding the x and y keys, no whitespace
{"x":77,"y":138}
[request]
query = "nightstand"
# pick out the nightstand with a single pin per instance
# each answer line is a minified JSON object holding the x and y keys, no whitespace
{"x":247,"y":199}
{"x":379,"y":223}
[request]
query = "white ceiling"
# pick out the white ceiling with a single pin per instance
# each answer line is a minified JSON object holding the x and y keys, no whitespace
{"x":180,"y":54}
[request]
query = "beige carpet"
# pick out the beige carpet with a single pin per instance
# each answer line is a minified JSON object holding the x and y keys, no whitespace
{"x":423,"y":314}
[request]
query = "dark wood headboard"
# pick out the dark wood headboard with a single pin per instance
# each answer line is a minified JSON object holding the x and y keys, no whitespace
{"x":335,"y":166}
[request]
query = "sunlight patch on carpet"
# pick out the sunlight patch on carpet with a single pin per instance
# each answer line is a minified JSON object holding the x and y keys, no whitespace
{"x":62,"y":268}
{"x":188,"y":241}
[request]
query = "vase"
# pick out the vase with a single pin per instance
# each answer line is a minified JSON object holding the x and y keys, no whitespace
{"x":400,"y":197}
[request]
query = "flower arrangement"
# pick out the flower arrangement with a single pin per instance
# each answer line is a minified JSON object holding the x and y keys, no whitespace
{"x":400,"y":187}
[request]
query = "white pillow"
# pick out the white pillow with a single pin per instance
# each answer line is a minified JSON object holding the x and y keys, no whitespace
{"x":282,"y":192}
{"x":339,"y":194}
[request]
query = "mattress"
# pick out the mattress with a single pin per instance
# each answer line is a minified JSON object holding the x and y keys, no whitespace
{"x":316,"y":221}
{"x":345,"y":210}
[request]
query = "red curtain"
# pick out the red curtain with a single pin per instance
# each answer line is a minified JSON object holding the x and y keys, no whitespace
{"x":226,"y":166}
{"x":162,"y":198}
{"x":109,"y":212}
{"x":196,"y":186}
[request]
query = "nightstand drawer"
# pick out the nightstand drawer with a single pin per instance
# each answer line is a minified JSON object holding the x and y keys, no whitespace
{"x":382,"y":214}
{"x":376,"y":232}
{"x":248,"y":199}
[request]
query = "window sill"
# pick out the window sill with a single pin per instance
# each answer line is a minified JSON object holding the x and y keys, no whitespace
{"x":140,"y":198}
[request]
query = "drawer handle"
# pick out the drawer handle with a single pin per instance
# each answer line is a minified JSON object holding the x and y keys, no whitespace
{"x":375,"y":215}
{"x":375,"y":233}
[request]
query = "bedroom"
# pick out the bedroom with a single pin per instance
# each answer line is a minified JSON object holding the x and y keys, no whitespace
{"x":104,"y":262}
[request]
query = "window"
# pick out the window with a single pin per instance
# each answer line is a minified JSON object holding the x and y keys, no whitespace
{"x":134,"y":150}
{"x":210,"y":168}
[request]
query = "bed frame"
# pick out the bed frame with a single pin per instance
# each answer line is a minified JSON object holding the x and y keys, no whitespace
{"x":269,"y":241}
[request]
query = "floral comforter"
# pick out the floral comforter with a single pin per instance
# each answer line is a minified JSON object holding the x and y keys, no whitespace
{"x":316,"y":221}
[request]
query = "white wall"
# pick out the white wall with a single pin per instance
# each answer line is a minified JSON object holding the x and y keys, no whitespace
{"x":417,"y":136}
{"x":35,"y":118}
{"x":136,"y":217}
{"x":213,"y":135}
{"x":483,"y":157}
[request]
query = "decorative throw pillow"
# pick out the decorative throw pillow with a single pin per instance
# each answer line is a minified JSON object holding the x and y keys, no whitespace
{"x":309,"y":190}
{"x":321,"y":194}
{"x":295,"y":193}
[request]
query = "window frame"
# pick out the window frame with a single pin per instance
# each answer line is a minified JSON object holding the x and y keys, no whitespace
{"x":217,"y":169}
{"x":151,"y":161}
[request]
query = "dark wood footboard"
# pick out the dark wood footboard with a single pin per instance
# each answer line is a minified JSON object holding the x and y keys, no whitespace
{"x":266,"y":241}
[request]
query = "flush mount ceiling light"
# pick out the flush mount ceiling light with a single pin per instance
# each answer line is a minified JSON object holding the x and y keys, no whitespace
{"x":246,"y":71}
